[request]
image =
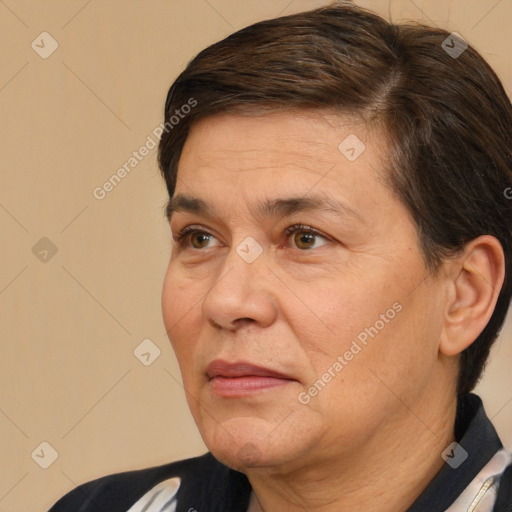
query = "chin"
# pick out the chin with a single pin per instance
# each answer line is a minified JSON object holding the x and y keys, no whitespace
{"x":246,"y":457}
{"x":239,"y":442}
{"x":246,"y":443}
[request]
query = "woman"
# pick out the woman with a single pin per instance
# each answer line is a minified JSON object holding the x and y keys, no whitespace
{"x":338,"y":273}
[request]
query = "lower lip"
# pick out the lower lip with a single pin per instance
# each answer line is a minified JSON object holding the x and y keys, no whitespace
{"x":241,"y":386}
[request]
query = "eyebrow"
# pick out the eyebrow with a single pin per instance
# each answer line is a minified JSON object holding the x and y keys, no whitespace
{"x":279,"y":207}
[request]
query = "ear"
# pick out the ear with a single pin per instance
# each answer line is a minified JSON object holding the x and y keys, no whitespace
{"x":475,"y":280}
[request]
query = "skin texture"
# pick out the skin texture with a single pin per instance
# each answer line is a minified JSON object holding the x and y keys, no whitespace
{"x":372,"y":437}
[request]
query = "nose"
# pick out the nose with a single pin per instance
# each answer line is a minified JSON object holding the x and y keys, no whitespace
{"x":242,"y":292}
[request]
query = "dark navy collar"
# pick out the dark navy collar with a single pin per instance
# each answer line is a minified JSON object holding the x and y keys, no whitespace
{"x":475,"y":433}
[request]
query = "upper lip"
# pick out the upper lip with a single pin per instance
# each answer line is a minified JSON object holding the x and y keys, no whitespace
{"x":221,"y":368}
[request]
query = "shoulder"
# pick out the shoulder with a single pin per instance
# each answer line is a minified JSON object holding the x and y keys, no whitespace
{"x":118,"y":492}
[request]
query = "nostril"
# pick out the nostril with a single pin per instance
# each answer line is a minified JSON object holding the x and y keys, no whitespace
{"x":236,"y":324}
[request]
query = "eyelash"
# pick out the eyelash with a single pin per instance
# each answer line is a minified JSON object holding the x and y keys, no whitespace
{"x":190,"y":230}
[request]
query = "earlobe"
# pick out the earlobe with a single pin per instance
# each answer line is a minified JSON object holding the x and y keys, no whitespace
{"x":476,"y":281}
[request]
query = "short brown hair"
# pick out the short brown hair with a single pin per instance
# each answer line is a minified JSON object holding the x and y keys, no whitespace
{"x":447,"y":118}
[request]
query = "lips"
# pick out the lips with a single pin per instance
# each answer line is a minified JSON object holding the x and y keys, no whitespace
{"x":220,"y":368}
{"x":243,"y":378}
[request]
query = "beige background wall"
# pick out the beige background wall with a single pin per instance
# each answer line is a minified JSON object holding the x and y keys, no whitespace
{"x":70,"y":321}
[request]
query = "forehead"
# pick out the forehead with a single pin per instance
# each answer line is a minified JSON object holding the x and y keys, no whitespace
{"x":279,"y":137}
{"x":293,"y":160}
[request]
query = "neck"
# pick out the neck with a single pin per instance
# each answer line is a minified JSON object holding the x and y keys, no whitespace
{"x":386,"y":475}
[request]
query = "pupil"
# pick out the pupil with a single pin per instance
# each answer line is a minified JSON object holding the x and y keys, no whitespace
{"x":200,"y":239}
{"x":306,"y":237}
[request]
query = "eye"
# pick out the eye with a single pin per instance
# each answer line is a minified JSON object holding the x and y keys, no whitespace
{"x":304,"y":236}
{"x":193,"y":234}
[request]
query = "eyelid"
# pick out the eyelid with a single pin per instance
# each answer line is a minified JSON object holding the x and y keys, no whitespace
{"x":299,"y":226}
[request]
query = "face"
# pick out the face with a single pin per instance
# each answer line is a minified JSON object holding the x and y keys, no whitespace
{"x":298,"y":303}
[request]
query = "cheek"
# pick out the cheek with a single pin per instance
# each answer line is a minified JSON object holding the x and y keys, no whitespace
{"x":181,"y":303}
{"x":333,"y":312}
{"x":179,"y":294}
{"x":371,"y":322}
{"x":360,"y":372}
{"x":170,"y":302}
{"x":400,"y":350}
